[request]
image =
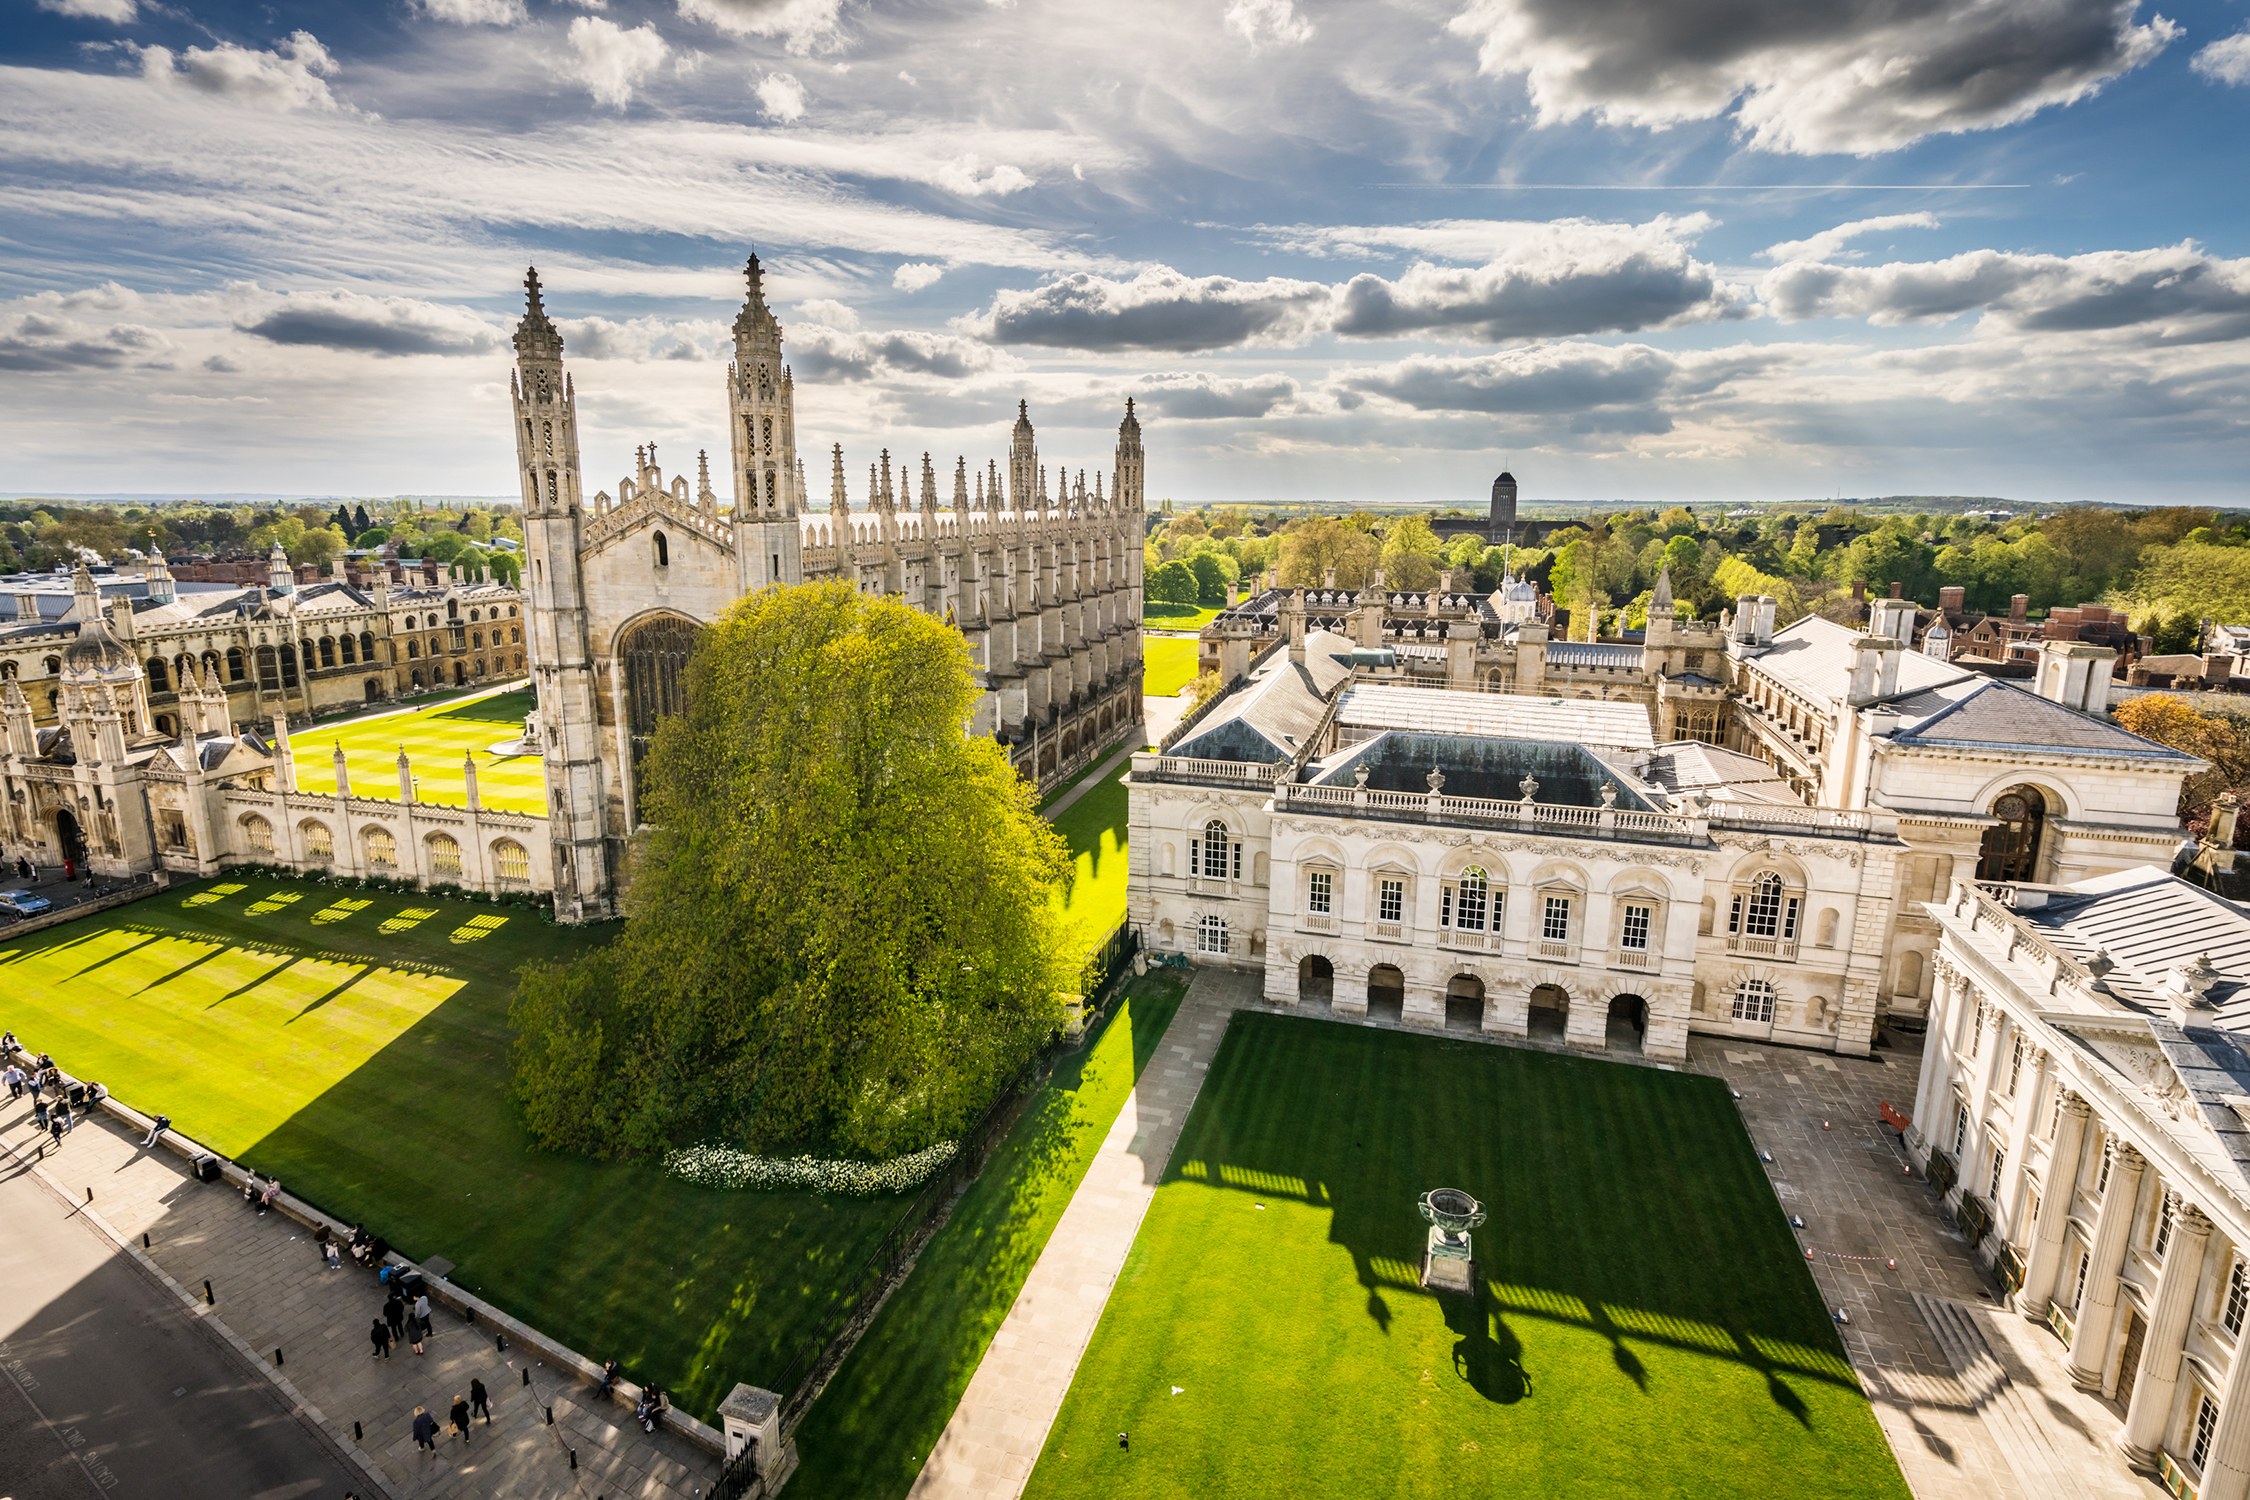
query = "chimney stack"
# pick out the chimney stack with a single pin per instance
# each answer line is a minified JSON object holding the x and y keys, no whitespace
{"x":2017,"y":606}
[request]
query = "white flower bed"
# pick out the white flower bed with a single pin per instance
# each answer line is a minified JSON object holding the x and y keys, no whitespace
{"x":725,"y":1167}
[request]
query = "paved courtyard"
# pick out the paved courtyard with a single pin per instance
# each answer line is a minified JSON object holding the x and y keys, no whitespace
{"x":272,"y":1293}
{"x":1974,"y":1399}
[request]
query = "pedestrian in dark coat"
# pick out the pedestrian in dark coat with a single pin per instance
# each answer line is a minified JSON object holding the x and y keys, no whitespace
{"x":380,"y":1337}
{"x":460,"y":1416}
{"x":425,"y":1430}
{"x":479,"y":1402}
{"x":394,"y":1313}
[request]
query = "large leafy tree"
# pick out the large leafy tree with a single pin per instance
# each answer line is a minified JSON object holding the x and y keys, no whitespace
{"x":840,"y":932}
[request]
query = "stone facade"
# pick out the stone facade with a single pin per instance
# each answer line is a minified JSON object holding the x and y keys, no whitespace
{"x":1042,"y":580}
{"x":2081,"y":1106}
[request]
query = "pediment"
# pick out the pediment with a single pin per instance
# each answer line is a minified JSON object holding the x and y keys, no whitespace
{"x":2136,"y":1057}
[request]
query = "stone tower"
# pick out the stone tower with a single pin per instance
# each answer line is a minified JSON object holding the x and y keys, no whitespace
{"x":561,"y":653}
{"x":1023,"y":463}
{"x":1126,"y":487}
{"x":761,"y":399}
{"x":1503,"y":518}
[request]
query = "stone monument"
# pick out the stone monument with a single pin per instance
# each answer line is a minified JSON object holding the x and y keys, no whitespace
{"x":1447,"y":1262}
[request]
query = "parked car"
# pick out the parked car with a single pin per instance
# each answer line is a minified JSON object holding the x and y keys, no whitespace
{"x":17,"y":904}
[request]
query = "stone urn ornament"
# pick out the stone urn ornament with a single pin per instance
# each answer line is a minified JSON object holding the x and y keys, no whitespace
{"x":1529,"y":787}
{"x":1448,"y":1264}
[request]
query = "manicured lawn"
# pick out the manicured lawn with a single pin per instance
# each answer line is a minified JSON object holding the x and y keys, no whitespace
{"x":1160,"y":616}
{"x":1167,"y":664}
{"x":875,"y":1424}
{"x":435,"y":738}
{"x":369,"y":1068}
{"x":1094,"y":826}
{"x":1644,"y":1323}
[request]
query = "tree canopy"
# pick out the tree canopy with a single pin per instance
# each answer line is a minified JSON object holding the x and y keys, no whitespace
{"x":840,"y":932}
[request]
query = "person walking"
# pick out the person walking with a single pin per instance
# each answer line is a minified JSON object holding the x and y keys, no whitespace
{"x":14,"y":1077}
{"x":479,"y":1401}
{"x":460,"y":1416}
{"x":425,"y":1430}
{"x":55,"y":1126}
{"x":421,"y":1316}
{"x":394,"y":1313}
{"x":379,"y":1334}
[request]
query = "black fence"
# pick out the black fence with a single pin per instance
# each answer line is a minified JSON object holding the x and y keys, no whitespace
{"x":1102,"y":979}
{"x":738,"y":1479}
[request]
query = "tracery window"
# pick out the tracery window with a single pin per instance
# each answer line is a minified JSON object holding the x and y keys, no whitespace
{"x":511,"y":861}
{"x":380,"y":847}
{"x":258,"y":834}
{"x":445,"y":854}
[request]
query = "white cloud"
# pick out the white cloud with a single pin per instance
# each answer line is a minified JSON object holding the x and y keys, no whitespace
{"x":2175,"y":294}
{"x":637,"y":338}
{"x":475,"y":12}
{"x":1605,"y":388}
{"x":1158,"y":309}
{"x":804,"y":26}
{"x":915,"y":275}
{"x":1810,"y":76}
{"x":1825,"y":245}
{"x":829,"y":313}
{"x":291,"y":77}
{"x":1261,"y":21}
{"x":968,"y":175}
{"x":907,"y":78}
{"x":363,"y":324}
{"x":1199,"y":396}
{"x":611,"y":60}
{"x":44,"y":334}
{"x":2226,"y":60}
{"x":819,"y":353}
{"x":781,"y":97}
{"x":117,"y":12}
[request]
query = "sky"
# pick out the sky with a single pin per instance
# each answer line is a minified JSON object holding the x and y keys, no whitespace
{"x":1369,"y":251}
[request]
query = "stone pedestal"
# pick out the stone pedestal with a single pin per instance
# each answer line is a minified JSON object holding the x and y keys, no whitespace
{"x":751,"y":1418}
{"x":1443,"y":1274}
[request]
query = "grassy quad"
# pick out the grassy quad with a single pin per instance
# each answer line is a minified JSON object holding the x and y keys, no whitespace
{"x":356,"y":1044}
{"x":1167,"y":664}
{"x":1645,"y":1324}
{"x":1095,"y":828}
{"x":435,"y":739}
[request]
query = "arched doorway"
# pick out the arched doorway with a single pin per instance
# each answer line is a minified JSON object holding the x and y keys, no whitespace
{"x":460,"y":675}
{"x":1628,"y":1023}
{"x":1550,"y":1013}
{"x":655,"y":656}
{"x":373,"y":689}
{"x":2011,"y":846}
{"x":69,"y":837}
{"x":1386,"y":994}
{"x":1464,"y":1003}
{"x":1316,"y":979}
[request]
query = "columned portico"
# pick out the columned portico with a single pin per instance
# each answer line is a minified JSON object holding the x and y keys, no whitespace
{"x":2038,"y":1291}
{"x":2149,"y":1402}
{"x":2097,"y":1310}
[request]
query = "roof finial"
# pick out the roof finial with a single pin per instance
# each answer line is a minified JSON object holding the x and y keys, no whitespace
{"x":531,"y":307}
{"x":756,"y":277}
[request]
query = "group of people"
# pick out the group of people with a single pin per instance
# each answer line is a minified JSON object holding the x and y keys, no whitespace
{"x":464,"y":1408}
{"x":401,"y":1321}
{"x":54,"y":1110}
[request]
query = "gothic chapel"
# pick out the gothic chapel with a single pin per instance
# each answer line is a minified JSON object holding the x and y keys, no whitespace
{"x":1043,"y":583}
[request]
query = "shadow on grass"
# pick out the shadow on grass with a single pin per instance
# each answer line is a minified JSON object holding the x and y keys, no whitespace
{"x":500,"y":708}
{"x":877,"y":1421}
{"x":1623,"y":1201}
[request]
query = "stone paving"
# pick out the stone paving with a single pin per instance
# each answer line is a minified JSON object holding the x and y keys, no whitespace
{"x":272,"y":1292}
{"x":1838,"y":1167}
{"x":994,"y":1437}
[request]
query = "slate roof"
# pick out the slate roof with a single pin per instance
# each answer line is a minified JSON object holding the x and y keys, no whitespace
{"x":2146,"y":920}
{"x":1266,"y":718}
{"x":1592,"y":654}
{"x":1687,"y":765}
{"x":1813,"y":659}
{"x":2000,"y":714}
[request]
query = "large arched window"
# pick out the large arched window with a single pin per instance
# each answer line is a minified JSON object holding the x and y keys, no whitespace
{"x":366,"y":646}
{"x":380,"y":848}
{"x":257,"y":833}
{"x":510,"y":860}
{"x":2010,"y":849}
{"x":1465,"y":902}
{"x":1216,"y":855}
{"x":413,"y":649}
{"x":159,"y":679}
{"x":655,"y":655}
{"x":234,"y":663}
{"x":319,"y":842}
{"x":1210,"y":934}
{"x":1753,"y":1001}
{"x":327,"y":651}
{"x":445,"y":854}
{"x":1764,"y":913}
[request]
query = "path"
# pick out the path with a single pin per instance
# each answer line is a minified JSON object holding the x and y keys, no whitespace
{"x":1088,"y":782}
{"x":1974,"y":1400}
{"x":112,"y":1386}
{"x":272,"y":1293}
{"x":994,"y":1438}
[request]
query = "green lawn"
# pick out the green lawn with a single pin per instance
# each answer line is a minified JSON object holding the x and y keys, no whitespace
{"x":1157,"y":615}
{"x":1167,"y":664}
{"x":877,"y":1420}
{"x":435,"y":738}
{"x":1645,"y":1324}
{"x":369,"y":1069}
{"x":1094,"y":826}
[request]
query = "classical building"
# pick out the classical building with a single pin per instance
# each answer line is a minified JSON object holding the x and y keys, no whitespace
{"x":1042,"y":579}
{"x":2084,"y":1107}
{"x":1409,"y":803}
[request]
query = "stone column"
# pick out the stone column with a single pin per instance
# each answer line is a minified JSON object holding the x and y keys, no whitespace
{"x":2045,"y":1258}
{"x":2226,"y":1472}
{"x":2022,"y":1108}
{"x":2089,"y":1350}
{"x":1934,"y":1087}
{"x":1980,"y":1087}
{"x":2150,"y":1403}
